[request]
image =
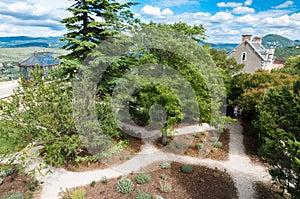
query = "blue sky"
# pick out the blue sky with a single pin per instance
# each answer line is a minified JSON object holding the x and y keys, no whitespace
{"x":225,"y":21}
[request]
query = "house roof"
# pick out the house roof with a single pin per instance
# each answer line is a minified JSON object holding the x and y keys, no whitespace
{"x":40,"y":58}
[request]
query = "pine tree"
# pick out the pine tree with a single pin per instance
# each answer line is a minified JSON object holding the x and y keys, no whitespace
{"x":93,"y":21}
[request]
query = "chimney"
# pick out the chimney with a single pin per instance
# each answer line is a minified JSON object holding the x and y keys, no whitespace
{"x":257,"y":39}
{"x":246,"y":37}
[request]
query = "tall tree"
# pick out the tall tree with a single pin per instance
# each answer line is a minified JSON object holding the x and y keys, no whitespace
{"x":93,"y":21}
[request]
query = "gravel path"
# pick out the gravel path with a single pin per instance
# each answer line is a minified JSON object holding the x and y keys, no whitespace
{"x":238,"y":166}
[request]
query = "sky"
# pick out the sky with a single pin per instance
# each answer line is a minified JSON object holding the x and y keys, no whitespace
{"x":224,"y":21}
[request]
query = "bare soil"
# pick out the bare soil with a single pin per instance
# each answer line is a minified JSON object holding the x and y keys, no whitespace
{"x":18,"y":183}
{"x":201,"y":183}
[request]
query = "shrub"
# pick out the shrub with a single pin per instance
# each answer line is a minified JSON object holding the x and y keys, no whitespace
{"x":179,"y":145}
{"x":143,"y":195}
{"x":186,"y":168}
{"x":93,"y":184}
{"x":204,"y":133}
{"x":142,"y":178}
{"x":16,"y":196}
{"x":197,"y":134}
{"x":158,"y":197}
{"x":78,"y":194}
{"x":165,"y":165}
{"x":199,"y":146}
{"x":214,"y":139}
{"x":125,"y":186}
{"x":164,"y":176}
{"x":1,"y":181}
{"x":218,"y":144}
{"x":7,"y":172}
{"x":104,"y":180}
{"x":165,"y":186}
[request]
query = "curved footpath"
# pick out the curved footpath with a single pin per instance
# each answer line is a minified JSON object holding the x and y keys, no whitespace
{"x":239,"y":166}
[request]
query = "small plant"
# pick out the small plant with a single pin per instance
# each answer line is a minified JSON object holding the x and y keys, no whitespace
{"x":143,"y":195}
{"x":165,"y":165}
{"x":16,"y":196}
{"x":104,"y":180}
{"x":218,"y":144}
{"x":197,"y":134}
{"x":158,"y":197}
{"x":179,"y":145}
{"x":186,"y":168}
{"x":142,"y":178}
{"x":199,"y":146}
{"x":32,"y":186}
{"x":7,"y":172}
{"x":93,"y":183}
{"x":164,"y":176}
{"x":204,"y":133}
{"x":1,"y":181}
{"x":214,"y":139}
{"x":125,"y":185}
{"x":165,"y":186}
{"x":78,"y":194}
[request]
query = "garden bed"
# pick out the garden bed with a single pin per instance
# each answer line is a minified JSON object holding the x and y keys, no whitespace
{"x":16,"y":183}
{"x":208,"y":144}
{"x":202,"y":182}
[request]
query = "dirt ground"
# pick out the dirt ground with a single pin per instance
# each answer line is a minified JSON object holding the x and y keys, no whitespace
{"x":201,"y":183}
{"x":18,"y":183}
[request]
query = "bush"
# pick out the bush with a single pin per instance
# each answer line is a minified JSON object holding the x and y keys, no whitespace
{"x":78,"y":194}
{"x":104,"y":180}
{"x":197,"y":135}
{"x":179,"y":145}
{"x":218,"y":144}
{"x":214,"y":139}
{"x":6,"y":172}
{"x":199,"y":146}
{"x":163,"y":176}
{"x":125,"y":186}
{"x":165,"y":165}
{"x":165,"y":186}
{"x":16,"y":196}
{"x":187,"y":168}
{"x":142,"y":178}
{"x":143,"y":195}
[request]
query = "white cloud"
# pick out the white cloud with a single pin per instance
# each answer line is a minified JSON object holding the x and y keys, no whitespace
{"x":243,"y":10}
{"x":248,"y":2}
{"x":228,"y":4}
{"x":221,"y":17}
{"x":248,"y":19}
{"x":277,"y":22}
{"x":284,"y":5}
{"x":156,"y":12}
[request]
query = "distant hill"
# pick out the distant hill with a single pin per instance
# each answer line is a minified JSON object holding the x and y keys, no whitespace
{"x":278,"y":41}
{"x":24,"y":41}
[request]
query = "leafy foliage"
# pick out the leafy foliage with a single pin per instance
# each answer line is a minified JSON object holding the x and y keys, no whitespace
{"x":218,"y":144}
{"x":125,"y":185}
{"x":165,"y":165}
{"x":16,"y":196}
{"x":143,"y":195}
{"x":6,"y":172}
{"x":187,"y":168}
{"x":278,"y":125}
{"x":165,"y":186}
{"x":86,"y":31}
{"x":142,"y":178}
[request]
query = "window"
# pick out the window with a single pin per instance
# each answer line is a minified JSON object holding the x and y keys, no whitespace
{"x":244,"y":56}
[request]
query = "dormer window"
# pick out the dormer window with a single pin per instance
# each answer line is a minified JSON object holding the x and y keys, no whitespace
{"x":244,"y":56}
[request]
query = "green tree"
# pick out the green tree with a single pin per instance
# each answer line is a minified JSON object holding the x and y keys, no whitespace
{"x":278,"y":124}
{"x":93,"y":21}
